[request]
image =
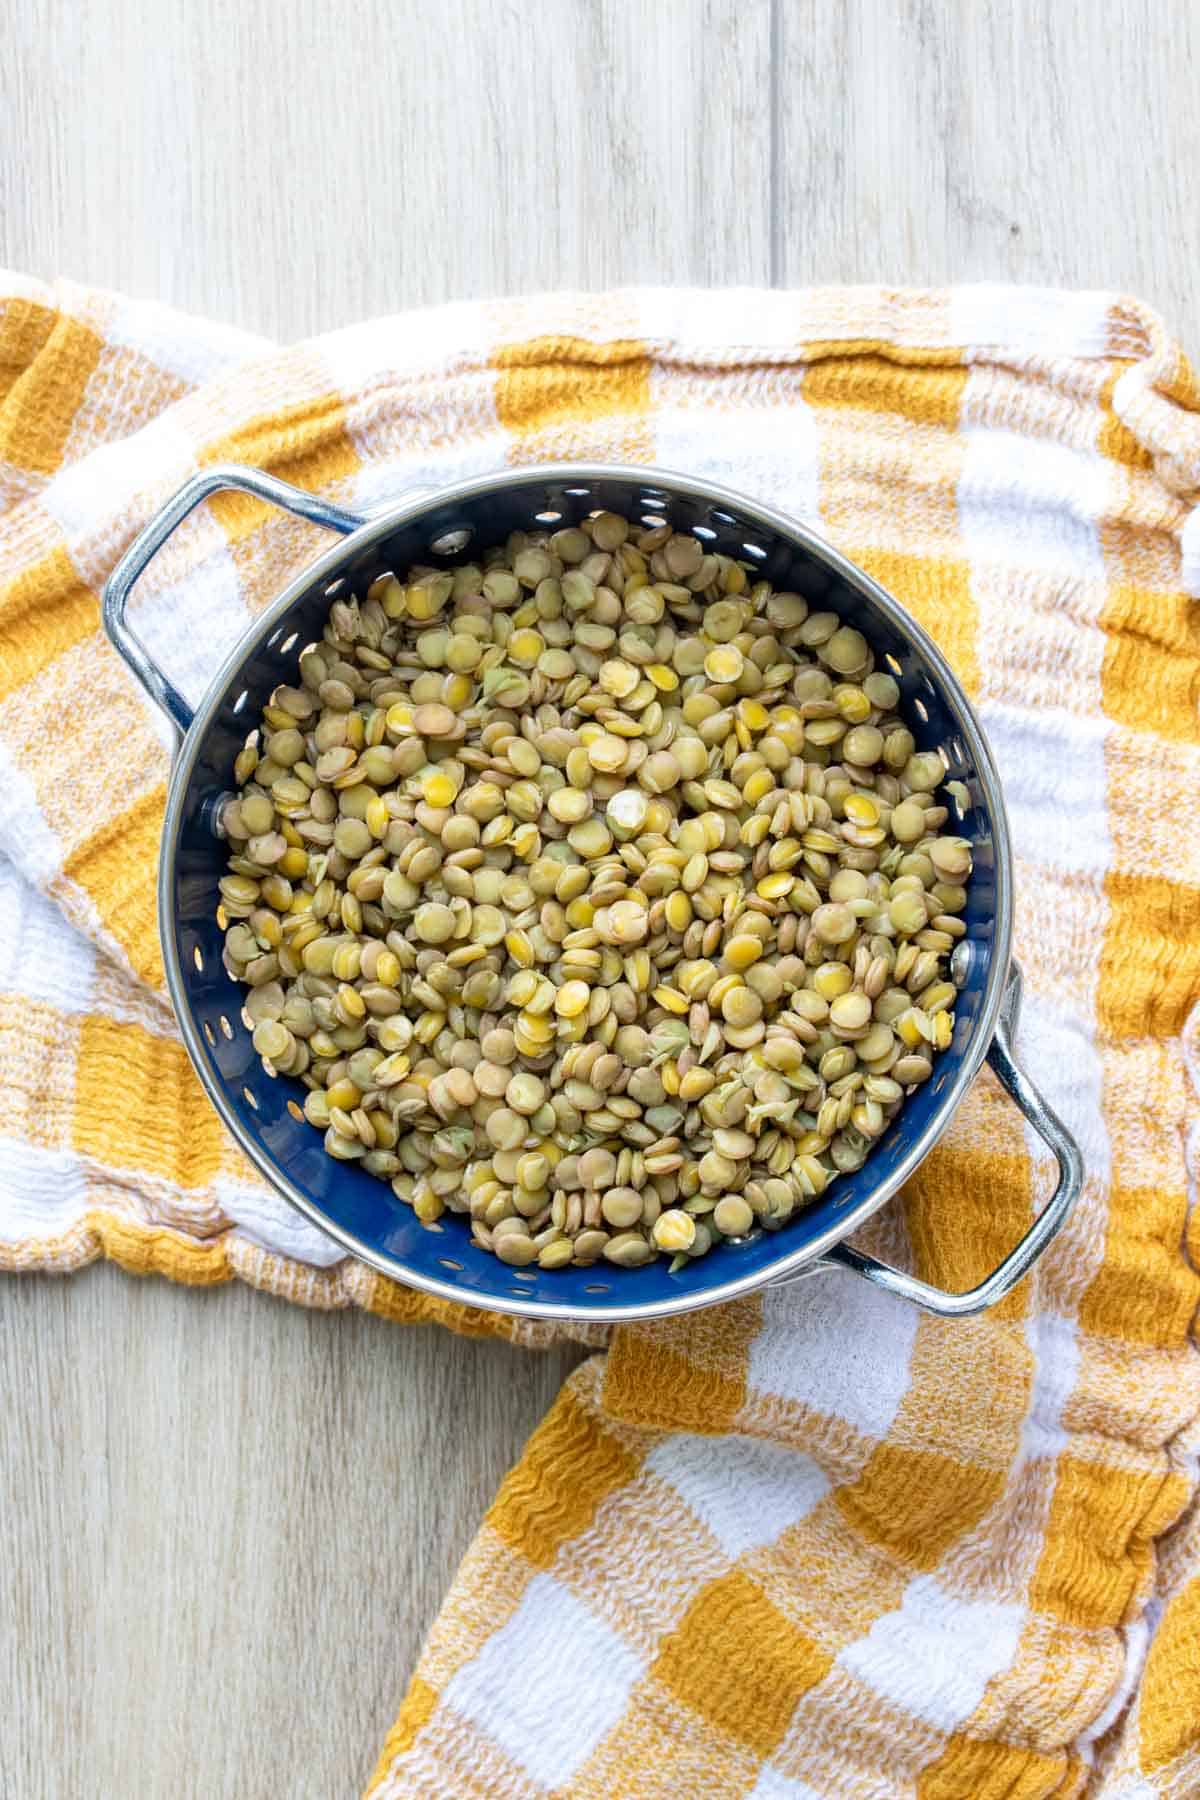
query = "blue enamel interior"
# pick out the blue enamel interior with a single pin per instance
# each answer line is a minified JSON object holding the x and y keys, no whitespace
{"x":365,"y":1208}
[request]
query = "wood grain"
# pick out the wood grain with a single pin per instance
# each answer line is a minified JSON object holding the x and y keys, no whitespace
{"x":228,"y":1522}
{"x":295,"y":167}
{"x":227,"y":1525}
{"x":932,"y":141}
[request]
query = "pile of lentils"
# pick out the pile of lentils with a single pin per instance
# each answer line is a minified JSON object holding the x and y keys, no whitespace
{"x":595,"y":890}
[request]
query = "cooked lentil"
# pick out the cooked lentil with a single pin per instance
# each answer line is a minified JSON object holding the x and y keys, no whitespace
{"x":594,"y":890}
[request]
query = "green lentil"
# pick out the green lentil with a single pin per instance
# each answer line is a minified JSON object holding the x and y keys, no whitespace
{"x":595,"y":892}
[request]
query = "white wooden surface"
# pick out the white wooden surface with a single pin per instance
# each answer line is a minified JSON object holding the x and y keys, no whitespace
{"x":227,"y":1523}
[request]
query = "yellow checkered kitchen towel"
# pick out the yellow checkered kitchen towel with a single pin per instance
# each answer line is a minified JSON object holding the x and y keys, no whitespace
{"x":815,"y":1543}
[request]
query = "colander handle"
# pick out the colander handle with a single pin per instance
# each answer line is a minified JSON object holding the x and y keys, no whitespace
{"x":150,"y":540}
{"x":1050,"y":1220}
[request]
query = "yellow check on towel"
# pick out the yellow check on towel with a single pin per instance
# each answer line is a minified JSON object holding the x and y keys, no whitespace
{"x":815,"y":1543}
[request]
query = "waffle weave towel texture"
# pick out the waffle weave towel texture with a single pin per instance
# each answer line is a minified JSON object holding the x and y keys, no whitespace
{"x":814,"y":1543}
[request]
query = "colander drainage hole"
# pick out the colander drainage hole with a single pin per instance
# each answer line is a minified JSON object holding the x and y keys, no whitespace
{"x":597,"y":1287}
{"x":208,"y":1032}
{"x":451,"y":542}
{"x":297,"y":1112}
{"x":198,"y":958}
{"x":893,"y":665}
{"x":448,"y":1262}
{"x":250,"y":1100}
{"x":226,"y":1027}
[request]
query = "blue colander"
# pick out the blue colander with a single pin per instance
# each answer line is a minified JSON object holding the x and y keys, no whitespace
{"x":263,"y":1111}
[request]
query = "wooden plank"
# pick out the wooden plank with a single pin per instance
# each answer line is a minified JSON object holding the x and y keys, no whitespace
{"x":930,"y":141}
{"x":228,"y":1524}
{"x":233,"y":1522}
{"x":291,"y":168}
